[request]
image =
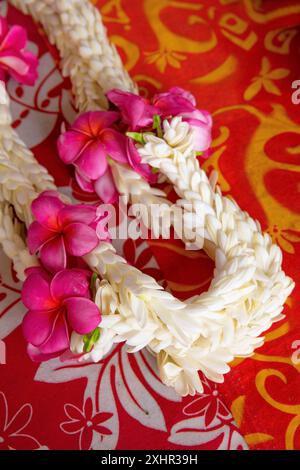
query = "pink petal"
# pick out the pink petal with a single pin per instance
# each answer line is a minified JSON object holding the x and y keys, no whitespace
{"x":3,"y":27}
{"x":135,"y":162}
{"x":93,"y":122}
{"x":53,"y":255}
{"x":99,"y":120}
{"x":32,"y":74}
{"x":82,"y":124}
{"x":38,"y":270}
{"x":184,"y":93}
{"x":71,"y":283}
{"x":92,"y":162}
{"x":71,"y":144}
{"x":106,"y":189}
{"x":37,"y":236}
{"x":79,"y":239}
{"x":172,"y":104}
{"x":22,"y":65}
{"x":85,"y":184}
{"x":37,"y":326}
{"x":115,"y":144}
{"x":15,"y":38}
{"x":36,"y":293}
{"x":14,"y":62}
{"x":77,"y":213}
{"x":135,"y":110}
{"x":33,"y":62}
{"x":202,"y":134}
{"x":35,"y":354}
{"x":83,"y":314}
{"x":200,"y":115}
{"x":45,"y":209}
{"x":202,"y":139}
{"x":58,"y":341}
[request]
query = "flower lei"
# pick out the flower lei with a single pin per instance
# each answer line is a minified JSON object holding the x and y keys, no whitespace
{"x":204,"y":333}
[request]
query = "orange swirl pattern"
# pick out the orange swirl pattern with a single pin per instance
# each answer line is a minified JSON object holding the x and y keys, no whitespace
{"x":240,"y":58}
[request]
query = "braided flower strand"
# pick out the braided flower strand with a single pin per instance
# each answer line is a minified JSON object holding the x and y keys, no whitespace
{"x":249,"y":284}
{"x":88,"y":58}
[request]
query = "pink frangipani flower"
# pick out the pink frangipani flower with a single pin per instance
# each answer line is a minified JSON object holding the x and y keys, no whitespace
{"x":135,"y":110}
{"x":14,"y":59}
{"x":178,"y":102}
{"x":135,"y":162}
{"x":57,"y":305}
{"x":61,"y":229}
{"x":174,"y":102}
{"x":87,"y":144}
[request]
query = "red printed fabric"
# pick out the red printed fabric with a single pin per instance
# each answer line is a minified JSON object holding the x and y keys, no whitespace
{"x":240,"y":59}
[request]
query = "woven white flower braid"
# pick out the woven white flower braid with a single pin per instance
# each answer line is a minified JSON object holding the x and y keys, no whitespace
{"x":12,"y":241}
{"x":249,"y":288}
{"x":92,"y":63}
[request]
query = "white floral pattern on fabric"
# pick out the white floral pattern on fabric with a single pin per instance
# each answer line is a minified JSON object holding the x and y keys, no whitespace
{"x":13,"y":432}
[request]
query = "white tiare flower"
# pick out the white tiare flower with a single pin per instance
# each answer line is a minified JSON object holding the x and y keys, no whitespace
{"x":154,"y":150}
{"x":178,"y":134}
{"x":184,"y":381}
{"x":5,"y":117}
{"x":175,"y":144}
{"x":106,"y":298}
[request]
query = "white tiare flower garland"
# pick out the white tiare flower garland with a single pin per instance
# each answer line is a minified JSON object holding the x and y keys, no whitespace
{"x":248,"y":280}
{"x":12,"y":241}
{"x":249,"y":288}
{"x":87,"y":56}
